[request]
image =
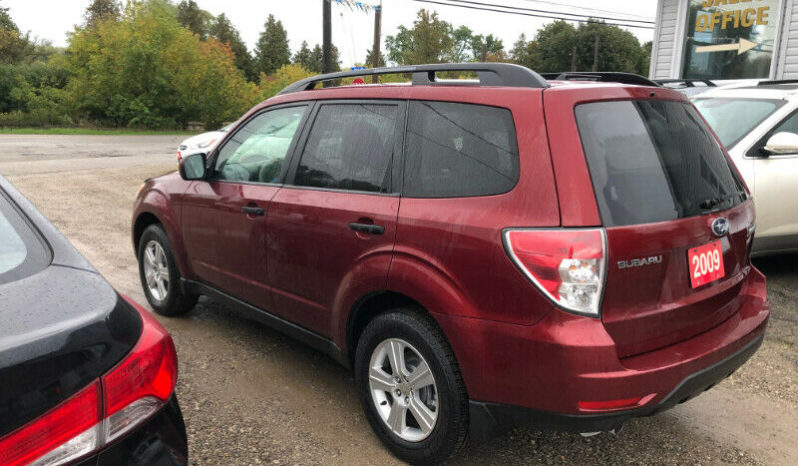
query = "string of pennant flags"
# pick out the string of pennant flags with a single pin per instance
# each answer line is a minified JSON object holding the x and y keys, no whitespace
{"x":356,"y":5}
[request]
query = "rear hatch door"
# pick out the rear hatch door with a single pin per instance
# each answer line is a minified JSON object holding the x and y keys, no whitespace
{"x":661,"y":183}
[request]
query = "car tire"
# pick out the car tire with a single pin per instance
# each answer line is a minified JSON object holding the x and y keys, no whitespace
{"x":417,"y":338}
{"x":160,"y":277}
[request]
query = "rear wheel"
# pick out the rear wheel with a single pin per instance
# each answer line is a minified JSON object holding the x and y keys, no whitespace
{"x":159,"y":275}
{"x":410,"y":387}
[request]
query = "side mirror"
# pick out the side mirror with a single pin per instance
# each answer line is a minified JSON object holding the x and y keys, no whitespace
{"x":193,"y":167}
{"x":781,"y":144}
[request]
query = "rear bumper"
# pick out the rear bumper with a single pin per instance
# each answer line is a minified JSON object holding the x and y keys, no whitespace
{"x":520,"y":374}
{"x":489,"y":419}
{"x":161,"y":441}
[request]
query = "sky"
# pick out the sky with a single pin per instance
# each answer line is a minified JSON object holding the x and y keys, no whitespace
{"x":353,"y":31}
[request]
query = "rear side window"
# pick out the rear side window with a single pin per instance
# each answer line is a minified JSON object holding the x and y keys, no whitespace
{"x":350,"y":146}
{"x":653,"y":161}
{"x":21,"y":251}
{"x":459,"y":150}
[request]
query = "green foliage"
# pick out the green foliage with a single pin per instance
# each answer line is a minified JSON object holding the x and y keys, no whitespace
{"x":148,"y":71}
{"x":428,"y":41}
{"x":559,"y":46}
{"x":370,"y":59}
{"x":194,"y":18}
{"x":494,"y":47}
{"x":270,"y":85}
{"x":100,"y":10}
{"x":224,"y":31}
{"x":272,"y":51}
{"x":313,"y":60}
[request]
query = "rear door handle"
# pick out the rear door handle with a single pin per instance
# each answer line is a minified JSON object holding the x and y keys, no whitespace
{"x":253,"y":210}
{"x":367,"y":228}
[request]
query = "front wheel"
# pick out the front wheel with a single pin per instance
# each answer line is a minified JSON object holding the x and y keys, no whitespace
{"x":160,"y":276}
{"x":410,"y":387}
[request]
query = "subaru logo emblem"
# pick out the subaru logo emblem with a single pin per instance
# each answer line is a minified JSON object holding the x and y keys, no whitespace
{"x":720,"y":226}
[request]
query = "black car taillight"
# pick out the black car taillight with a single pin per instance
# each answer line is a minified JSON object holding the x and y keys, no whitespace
{"x":125,"y":397}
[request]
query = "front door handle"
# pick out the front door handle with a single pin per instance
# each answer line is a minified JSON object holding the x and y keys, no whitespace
{"x":253,"y":210}
{"x":367,"y":228}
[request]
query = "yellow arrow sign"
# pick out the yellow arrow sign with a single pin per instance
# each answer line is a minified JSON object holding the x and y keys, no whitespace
{"x":741,"y":47}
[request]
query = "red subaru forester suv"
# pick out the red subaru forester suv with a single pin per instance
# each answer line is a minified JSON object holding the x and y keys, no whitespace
{"x":483,"y":253}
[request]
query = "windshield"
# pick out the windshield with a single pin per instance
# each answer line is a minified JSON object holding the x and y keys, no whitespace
{"x":653,"y":161}
{"x":732,"y":119}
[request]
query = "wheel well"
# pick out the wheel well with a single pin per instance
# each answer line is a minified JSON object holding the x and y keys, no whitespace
{"x":367,"y":309}
{"x":142,"y":222}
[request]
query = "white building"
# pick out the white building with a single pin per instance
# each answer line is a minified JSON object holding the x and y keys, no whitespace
{"x":726,"y":39}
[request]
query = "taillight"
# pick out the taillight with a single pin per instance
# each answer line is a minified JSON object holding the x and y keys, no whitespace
{"x":567,"y":265}
{"x":120,"y":400}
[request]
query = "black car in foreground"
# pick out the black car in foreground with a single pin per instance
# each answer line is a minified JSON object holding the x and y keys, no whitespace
{"x":86,"y":375}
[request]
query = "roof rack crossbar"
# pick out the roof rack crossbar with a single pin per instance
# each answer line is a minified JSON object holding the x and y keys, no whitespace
{"x":777,"y":81}
{"x":601,"y":76}
{"x":687,"y":82}
{"x":490,"y":74}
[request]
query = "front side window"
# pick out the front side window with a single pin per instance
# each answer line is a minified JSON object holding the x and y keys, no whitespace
{"x":653,"y":160}
{"x":256,"y":152}
{"x":350,"y":146}
{"x":733,"y":119}
{"x":459,"y":150}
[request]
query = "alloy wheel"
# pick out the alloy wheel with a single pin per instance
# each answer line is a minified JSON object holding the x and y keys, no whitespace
{"x":156,"y":270}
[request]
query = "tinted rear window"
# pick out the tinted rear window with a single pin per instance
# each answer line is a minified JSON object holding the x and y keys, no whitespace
{"x":350,"y":146}
{"x":21,"y":251}
{"x":653,"y":161}
{"x":458,"y":150}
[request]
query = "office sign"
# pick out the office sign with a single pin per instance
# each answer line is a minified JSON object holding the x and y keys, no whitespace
{"x":730,"y":39}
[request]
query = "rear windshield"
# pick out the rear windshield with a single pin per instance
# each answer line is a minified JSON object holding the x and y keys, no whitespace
{"x":732,"y":119}
{"x":654,"y":161}
{"x":21,"y":251}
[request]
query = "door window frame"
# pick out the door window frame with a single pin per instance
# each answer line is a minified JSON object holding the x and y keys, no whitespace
{"x":397,"y":158}
{"x":289,"y":155}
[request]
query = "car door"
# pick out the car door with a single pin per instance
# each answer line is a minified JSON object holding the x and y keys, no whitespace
{"x":224,"y":218}
{"x":776,"y":192}
{"x":334,"y":223}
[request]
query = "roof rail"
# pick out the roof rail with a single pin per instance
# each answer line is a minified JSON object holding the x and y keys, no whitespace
{"x":490,"y":74}
{"x":686,"y":82}
{"x":602,"y":76}
{"x":777,"y":81}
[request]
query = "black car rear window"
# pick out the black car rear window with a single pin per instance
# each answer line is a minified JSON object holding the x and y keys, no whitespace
{"x":22,"y":252}
{"x":653,"y":161}
{"x":459,"y":150}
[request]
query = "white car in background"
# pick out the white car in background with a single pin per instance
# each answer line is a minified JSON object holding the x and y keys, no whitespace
{"x":201,"y":143}
{"x":758,"y":124}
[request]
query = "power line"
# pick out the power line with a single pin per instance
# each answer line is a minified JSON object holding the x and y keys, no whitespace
{"x":551,"y":12}
{"x":536,"y":15}
{"x":590,"y":9}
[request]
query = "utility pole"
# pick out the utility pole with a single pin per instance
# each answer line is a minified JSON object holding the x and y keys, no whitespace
{"x":484,"y":52}
{"x":573,"y":58}
{"x":375,"y":49}
{"x":327,"y":64}
{"x":595,"y":53}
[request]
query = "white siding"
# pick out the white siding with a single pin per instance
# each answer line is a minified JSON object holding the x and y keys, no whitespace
{"x":665,"y":39}
{"x":789,"y":62}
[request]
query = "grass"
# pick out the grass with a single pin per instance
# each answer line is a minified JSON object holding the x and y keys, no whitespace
{"x":96,"y":132}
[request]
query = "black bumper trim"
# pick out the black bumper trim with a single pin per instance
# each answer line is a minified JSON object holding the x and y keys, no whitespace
{"x":490,"y":419}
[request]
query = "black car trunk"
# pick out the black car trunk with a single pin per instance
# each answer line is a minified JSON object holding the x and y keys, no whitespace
{"x":60,"y":330}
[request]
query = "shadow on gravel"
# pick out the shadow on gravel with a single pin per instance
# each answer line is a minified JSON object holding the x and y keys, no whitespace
{"x":784,"y":265}
{"x":264,"y":357}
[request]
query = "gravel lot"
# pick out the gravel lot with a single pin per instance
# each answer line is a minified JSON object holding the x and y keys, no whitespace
{"x":253,"y":396}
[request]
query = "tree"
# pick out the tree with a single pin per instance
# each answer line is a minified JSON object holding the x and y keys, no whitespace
{"x":645,"y":59}
{"x":553,"y":48}
{"x":316,"y":59}
{"x":13,"y":45}
{"x":493,"y":46}
{"x":101,"y":10}
{"x":304,"y":57}
{"x":521,"y":52}
{"x":272,"y":51}
{"x":618,"y":49}
{"x":149,"y":71}
{"x":194,"y":18}
{"x":461,"y":39}
{"x":370,"y":59}
{"x":223,"y":30}
{"x":429,"y":41}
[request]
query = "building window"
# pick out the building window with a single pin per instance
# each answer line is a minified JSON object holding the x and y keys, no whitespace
{"x":730,"y":40}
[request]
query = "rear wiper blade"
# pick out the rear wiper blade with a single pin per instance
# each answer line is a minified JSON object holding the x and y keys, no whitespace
{"x":711,"y":203}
